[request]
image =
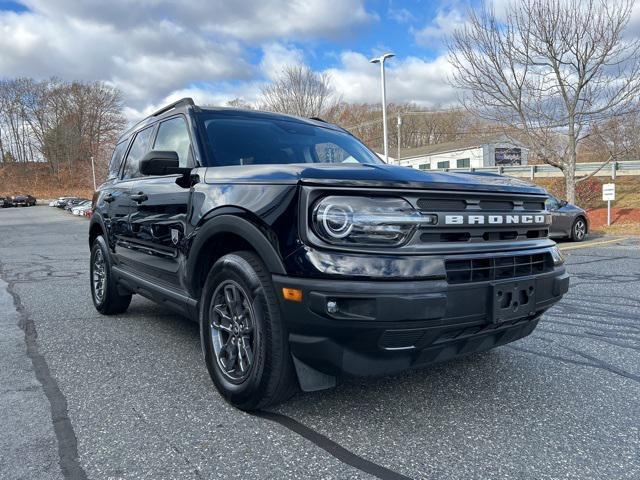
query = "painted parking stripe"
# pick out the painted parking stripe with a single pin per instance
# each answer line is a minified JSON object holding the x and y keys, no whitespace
{"x":591,"y":244}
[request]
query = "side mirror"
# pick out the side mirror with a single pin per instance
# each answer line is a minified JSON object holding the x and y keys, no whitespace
{"x":160,"y":162}
{"x":563,"y":203}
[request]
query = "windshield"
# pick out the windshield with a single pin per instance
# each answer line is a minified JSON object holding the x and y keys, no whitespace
{"x":257,"y":141}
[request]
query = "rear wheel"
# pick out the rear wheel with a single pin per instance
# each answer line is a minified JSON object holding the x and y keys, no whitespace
{"x":579,"y":230}
{"x":104,"y":289}
{"x":243,"y":336}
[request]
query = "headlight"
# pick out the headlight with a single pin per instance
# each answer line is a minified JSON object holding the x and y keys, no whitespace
{"x":366,"y":221}
{"x":558,"y":257}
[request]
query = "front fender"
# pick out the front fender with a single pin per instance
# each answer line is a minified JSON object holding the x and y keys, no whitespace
{"x":229,"y":223}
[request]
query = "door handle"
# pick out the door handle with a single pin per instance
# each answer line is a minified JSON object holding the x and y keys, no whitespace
{"x":108,"y":198}
{"x":139,"y":197}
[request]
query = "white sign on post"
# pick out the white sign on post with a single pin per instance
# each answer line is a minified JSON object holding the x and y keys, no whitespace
{"x":609,"y":191}
{"x":609,"y":194}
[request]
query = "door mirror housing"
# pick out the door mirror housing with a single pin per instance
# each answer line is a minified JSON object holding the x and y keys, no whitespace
{"x":161,"y":162}
{"x":563,"y":203}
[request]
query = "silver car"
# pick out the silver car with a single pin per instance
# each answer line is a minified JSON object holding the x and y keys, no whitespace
{"x":569,"y":221}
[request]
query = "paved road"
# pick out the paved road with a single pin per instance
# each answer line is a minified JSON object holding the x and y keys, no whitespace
{"x":87,"y":396}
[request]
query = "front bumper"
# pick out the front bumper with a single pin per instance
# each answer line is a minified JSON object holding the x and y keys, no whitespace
{"x":383,"y":327}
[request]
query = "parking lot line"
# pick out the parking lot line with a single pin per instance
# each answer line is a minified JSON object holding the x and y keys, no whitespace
{"x":591,"y":244}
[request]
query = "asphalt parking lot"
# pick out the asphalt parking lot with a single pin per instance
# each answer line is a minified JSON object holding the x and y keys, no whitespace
{"x":88,"y":396}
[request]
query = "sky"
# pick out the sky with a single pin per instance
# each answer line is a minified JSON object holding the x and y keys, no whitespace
{"x":156,"y":51}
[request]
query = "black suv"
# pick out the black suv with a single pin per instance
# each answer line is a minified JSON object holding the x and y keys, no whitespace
{"x":304,"y":257}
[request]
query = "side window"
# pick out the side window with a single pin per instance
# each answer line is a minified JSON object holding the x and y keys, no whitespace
{"x":173,"y":135}
{"x":332,"y":153}
{"x":116,"y":159}
{"x":552,"y":204}
{"x":443,"y":164}
{"x":138,"y":149}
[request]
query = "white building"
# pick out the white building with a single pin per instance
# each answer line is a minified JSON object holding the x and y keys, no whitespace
{"x":476,"y":152}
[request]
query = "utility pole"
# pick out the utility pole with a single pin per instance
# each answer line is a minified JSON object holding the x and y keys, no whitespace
{"x":381,"y":60}
{"x":399,"y":138}
{"x":93,"y":170}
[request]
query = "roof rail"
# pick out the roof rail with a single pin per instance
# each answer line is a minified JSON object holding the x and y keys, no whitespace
{"x":182,"y":101}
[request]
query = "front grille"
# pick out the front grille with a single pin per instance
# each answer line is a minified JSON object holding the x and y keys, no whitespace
{"x":497,"y":268}
{"x":500,"y":215}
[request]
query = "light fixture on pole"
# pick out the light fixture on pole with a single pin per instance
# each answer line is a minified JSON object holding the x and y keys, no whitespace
{"x":381,"y":60}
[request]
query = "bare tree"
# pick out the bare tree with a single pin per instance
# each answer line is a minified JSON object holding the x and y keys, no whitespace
{"x":59,"y":123}
{"x":549,"y":71}
{"x":299,"y":91}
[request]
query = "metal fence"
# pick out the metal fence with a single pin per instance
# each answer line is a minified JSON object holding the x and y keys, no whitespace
{"x":630,"y":167}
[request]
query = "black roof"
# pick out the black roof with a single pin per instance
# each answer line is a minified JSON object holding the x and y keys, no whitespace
{"x":187,"y":103}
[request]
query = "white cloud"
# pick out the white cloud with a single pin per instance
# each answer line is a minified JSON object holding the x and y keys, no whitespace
{"x":442,"y":25}
{"x":151,"y":48}
{"x":276,"y":57}
{"x":408,"y":80}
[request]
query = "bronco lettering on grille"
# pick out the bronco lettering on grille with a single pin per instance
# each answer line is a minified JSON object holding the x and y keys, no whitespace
{"x":493,"y":219}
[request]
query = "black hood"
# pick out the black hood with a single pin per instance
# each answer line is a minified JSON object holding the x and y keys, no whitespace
{"x":368,"y":175}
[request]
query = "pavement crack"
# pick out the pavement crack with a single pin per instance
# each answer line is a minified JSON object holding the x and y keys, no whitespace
{"x":334,"y":449}
{"x":65,"y":435}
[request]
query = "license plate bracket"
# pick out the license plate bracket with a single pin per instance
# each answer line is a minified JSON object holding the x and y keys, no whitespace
{"x":512,"y":299}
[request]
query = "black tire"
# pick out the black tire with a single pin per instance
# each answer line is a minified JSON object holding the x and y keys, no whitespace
{"x":579,"y":230}
{"x":108,"y":301}
{"x":269,"y":379}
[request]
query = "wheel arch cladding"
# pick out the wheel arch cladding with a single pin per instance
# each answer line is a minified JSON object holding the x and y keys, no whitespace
{"x":95,"y":229}
{"x":228,"y":233}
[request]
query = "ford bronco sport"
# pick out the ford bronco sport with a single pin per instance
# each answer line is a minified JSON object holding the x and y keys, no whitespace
{"x":305,"y":258}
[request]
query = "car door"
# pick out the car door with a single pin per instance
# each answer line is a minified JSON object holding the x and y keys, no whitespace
{"x":158,"y":220}
{"x":123,"y":204}
{"x":110,"y":203}
{"x":561,"y":220}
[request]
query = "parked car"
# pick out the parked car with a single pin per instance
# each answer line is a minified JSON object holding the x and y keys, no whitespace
{"x":5,"y":202}
{"x":567,"y":220}
{"x":58,"y":201}
{"x":304,"y":257}
{"x":81,"y":207}
{"x":74,"y":202}
{"x":23,"y":201}
{"x":62,"y":201}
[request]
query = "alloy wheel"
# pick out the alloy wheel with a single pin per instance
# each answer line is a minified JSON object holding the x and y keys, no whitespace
{"x":99,"y":276}
{"x":232,"y":323}
{"x":580,"y":229}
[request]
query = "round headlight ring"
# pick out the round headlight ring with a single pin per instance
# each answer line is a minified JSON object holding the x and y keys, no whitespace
{"x":337,"y":220}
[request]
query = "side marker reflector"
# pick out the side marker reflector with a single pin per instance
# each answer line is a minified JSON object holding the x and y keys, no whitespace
{"x":293,"y":294}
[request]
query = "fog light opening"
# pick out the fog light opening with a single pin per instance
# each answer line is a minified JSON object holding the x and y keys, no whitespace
{"x":332,"y":306}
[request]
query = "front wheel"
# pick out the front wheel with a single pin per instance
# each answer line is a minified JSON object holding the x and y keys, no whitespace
{"x":243,"y":336}
{"x":579,"y":230}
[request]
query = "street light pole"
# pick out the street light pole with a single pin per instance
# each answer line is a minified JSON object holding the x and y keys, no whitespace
{"x":381,"y":60}
{"x":399,"y":138}
{"x":93,"y":170}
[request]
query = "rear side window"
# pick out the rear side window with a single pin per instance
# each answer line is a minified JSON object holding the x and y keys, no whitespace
{"x":174,"y":136}
{"x":138,"y":149}
{"x":116,"y":159}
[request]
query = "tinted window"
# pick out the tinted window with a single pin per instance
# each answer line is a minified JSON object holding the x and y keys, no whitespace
{"x":463,"y":163}
{"x":552,"y":203}
{"x":139,"y":147}
{"x":116,"y":159}
{"x":173,"y":135}
{"x":245,"y":141}
{"x":444,"y":164}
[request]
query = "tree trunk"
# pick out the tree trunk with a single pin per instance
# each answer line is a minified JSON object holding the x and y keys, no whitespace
{"x":570,"y":183}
